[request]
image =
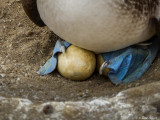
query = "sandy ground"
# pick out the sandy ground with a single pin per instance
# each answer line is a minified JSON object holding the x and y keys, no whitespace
{"x":25,"y":47}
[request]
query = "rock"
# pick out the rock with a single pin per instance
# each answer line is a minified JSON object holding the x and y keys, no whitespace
{"x":141,"y":102}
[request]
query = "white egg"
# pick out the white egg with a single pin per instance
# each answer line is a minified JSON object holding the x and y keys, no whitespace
{"x":76,"y":63}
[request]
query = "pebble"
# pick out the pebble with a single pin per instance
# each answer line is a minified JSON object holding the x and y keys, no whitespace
{"x":25,"y":74}
{"x":2,"y":75}
{"x":57,"y":98}
{"x":20,"y":25}
{"x":11,"y":75}
{"x":3,"y":67}
{"x":130,"y":85}
{"x":71,"y":111}
{"x":137,"y":84}
{"x":58,"y":76}
{"x":6,"y":67}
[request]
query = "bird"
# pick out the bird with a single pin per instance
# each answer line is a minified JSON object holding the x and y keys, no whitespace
{"x":120,"y":32}
{"x":97,"y":25}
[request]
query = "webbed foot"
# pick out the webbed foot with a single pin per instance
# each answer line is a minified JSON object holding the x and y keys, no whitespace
{"x":51,"y":64}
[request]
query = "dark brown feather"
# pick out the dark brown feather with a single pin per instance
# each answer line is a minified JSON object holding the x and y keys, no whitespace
{"x":142,"y":7}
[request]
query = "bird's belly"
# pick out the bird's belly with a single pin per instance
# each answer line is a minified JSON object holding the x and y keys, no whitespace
{"x":96,"y":25}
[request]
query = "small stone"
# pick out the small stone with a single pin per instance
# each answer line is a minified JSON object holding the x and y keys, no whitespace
{"x":8,"y":61}
{"x":2,"y":75}
{"x":57,"y":98}
{"x":70,"y":111}
{"x":11,"y":75}
{"x":20,"y":25}
{"x":130,"y":85}
{"x":4,"y":67}
{"x":137,"y":84}
{"x":58,"y":76}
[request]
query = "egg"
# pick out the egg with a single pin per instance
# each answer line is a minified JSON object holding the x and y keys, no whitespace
{"x":76,"y":63}
{"x":100,"y":61}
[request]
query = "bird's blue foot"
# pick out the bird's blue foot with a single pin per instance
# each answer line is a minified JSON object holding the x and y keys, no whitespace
{"x":126,"y":65}
{"x":129,"y":64}
{"x":51,"y":64}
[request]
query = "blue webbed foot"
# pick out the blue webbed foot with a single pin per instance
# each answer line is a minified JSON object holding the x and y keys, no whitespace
{"x":129,"y":64}
{"x":51,"y":64}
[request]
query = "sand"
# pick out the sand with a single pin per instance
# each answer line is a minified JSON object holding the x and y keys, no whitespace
{"x":25,"y":47}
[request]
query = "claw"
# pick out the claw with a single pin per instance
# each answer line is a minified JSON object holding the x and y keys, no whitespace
{"x":63,"y":49}
{"x":105,"y":64}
